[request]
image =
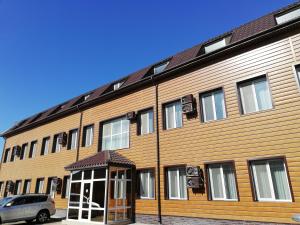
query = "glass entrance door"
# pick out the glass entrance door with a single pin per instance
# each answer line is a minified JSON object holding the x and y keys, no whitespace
{"x":85,"y":200}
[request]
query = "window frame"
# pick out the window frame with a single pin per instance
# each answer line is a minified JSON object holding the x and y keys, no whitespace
{"x":164,"y":63}
{"x":26,"y":181}
{"x":225,"y":39}
{"x":202,"y":107}
{"x":43,"y":152}
{"x":32,"y":150}
{"x":24,"y":151}
{"x":139,"y":121}
{"x":13,"y":154}
{"x":167,"y":183}
{"x":165,"y":117}
{"x":56,"y":148}
{"x":253,"y":180}
{"x":6,"y":155}
{"x":139,"y":171}
{"x":70,"y":139}
{"x":285,"y":13}
{"x":37,"y":190}
{"x":65,"y":186}
{"x":253,"y":79}
{"x":295,"y":66}
{"x":84,"y":134}
{"x":19,"y":191}
{"x":208,"y":179}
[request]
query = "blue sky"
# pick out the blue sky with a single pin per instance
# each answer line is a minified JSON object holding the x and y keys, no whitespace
{"x":53,"y":50}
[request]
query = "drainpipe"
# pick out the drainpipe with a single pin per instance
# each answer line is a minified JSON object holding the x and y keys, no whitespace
{"x":159,"y":217}
{"x":79,"y":134}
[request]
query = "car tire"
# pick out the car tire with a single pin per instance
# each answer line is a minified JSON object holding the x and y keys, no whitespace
{"x":43,"y":216}
{"x":29,"y":221}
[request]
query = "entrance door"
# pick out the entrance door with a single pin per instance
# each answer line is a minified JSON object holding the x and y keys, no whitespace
{"x":85,"y":200}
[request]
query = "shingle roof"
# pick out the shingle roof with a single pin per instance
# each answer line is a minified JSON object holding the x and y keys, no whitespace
{"x":238,"y":34}
{"x":101,"y":159}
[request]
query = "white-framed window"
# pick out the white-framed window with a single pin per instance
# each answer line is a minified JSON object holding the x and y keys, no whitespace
{"x":89,"y":134}
{"x":288,"y":16}
{"x":13,"y":154}
{"x":297,"y":69}
{"x":67,"y":186}
{"x":146,"y":122}
{"x":213,"y":105}
{"x":39,"y":186}
{"x":255,"y":95}
{"x":115,"y":134}
{"x":177,"y":188}
{"x":173,"y":115}
{"x":271,"y":180}
{"x":217,"y":44}
{"x":45,"y":146}
{"x":18,"y":187}
{"x":146,"y":179}
{"x":6,"y":155}
{"x":23,"y":151}
{"x":57,"y":146}
{"x":32,"y":151}
{"x":52,"y":186}
{"x":222,"y":182}
{"x":118,"y":85}
{"x":73,"y":139}
{"x":160,"y":68}
{"x":27,"y":184}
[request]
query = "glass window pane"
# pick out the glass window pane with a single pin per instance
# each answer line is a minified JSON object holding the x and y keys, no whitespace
{"x":151,"y":129}
{"x":280,"y":181}
{"x":144,"y":185}
{"x":173,"y":183}
{"x":97,"y":215}
{"x":216,"y":181}
{"x":144,"y":123}
{"x":182,"y":183}
{"x":75,"y":194}
{"x":208,"y":107}
{"x":262,"y":180}
{"x":293,"y":14}
{"x":170,"y":122}
{"x":247,"y":97}
{"x":99,"y":174}
{"x":73,"y":214}
{"x":219,"y":104}
{"x":229,"y":181}
{"x":263,"y":95}
{"x":178,"y":114}
{"x":98,"y":194}
{"x":151,"y":184}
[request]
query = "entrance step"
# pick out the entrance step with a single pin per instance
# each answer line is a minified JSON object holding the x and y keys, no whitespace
{"x":65,"y":222}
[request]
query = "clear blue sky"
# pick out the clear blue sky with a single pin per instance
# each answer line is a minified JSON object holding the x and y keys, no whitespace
{"x":53,"y":50}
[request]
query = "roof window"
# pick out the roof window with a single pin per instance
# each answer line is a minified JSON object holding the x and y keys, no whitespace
{"x":217,"y":44}
{"x":288,"y":16}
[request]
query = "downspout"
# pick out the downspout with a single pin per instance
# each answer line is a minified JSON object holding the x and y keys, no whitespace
{"x":159,"y":217}
{"x":79,"y":133}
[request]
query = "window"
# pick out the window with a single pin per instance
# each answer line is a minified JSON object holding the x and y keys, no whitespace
{"x":146,"y":122}
{"x":72,"y":142}
{"x":45,"y":146}
{"x":32,"y":151}
{"x":115,"y":134}
{"x":297,"y":68}
{"x":213,"y":106}
{"x":255,"y":95}
{"x":66,"y":187}
{"x":146,"y":184}
{"x":18,"y":187}
{"x":51,"y":186}
{"x":39,"y":186}
{"x":270,"y":180}
{"x":160,"y":68}
{"x":6,"y":155}
{"x":177,"y":183}
{"x":118,"y":85}
{"x":88,"y":133}
{"x":23,"y":151}
{"x":13,"y":154}
{"x":288,"y":16}
{"x":173,"y":115}
{"x":217,"y":45}
{"x":222,"y":184}
{"x":56,"y":147}
{"x":86,"y":97}
{"x":26,"y":188}
{"x":1,"y":187}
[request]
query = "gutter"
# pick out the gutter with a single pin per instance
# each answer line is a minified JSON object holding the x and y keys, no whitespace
{"x":264,"y":35}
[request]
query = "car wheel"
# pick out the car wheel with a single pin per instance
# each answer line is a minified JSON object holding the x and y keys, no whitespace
{"x":42,"y":216}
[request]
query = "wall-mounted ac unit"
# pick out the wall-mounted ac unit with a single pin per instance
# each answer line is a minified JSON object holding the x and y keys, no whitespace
{"x":192,"y":171}
{"x":194,"y":182}
{"x":187,"y":99}
{"x":62,"y":138}
{"x":131,"y":115}
{"x":188,"y":108}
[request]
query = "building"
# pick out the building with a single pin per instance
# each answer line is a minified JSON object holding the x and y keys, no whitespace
{"x":211,"y":133}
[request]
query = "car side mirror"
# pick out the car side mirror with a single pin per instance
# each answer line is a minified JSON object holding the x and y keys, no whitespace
{"x":9,"y":204}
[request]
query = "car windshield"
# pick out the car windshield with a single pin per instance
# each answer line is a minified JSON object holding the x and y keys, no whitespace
{"x":3,"y":201}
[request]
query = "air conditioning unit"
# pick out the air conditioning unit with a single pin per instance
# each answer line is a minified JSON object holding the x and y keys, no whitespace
{"x":194,"y":182}
{"x":192,"y":171}
{"x":188,"y":108}
{"x":187,"y":99}
{"x":62,"y":138}
{"x":131,"y":115}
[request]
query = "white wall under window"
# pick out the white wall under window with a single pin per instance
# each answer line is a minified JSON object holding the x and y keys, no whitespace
{"x":213,"y":105}
{"x":146,"y":179}
{"x":222,"y":182}
{"x":271,"y":180}
{"x":115,"y":134}
{"x":173,"y":115}
{"x":177,"y":183}
{"x":255,"y":95}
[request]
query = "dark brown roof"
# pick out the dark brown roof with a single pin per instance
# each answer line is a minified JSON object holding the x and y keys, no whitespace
{"x":101,"y":159}
{"x":238,"y":34}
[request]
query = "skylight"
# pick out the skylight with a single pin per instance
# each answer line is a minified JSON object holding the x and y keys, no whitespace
{"x":118,"y":85}
{"x":86,"y":97}
{"x":288,"y":16}
{"x":217,"y":45}
{"x":160,"y":68}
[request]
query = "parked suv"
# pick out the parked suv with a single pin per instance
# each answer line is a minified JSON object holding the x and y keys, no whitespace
{"x":30,"y":207}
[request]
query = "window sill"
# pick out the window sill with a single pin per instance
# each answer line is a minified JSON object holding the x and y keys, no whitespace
{"x":213,"y":121}
{"x":148,"y":134}
{"x":257,"y":112}
{"x":275,"y":201}
{"x":145,"y":198}
{"x":170,"y":129}
{"x":225,"y":200}
{"x":177,"y":199}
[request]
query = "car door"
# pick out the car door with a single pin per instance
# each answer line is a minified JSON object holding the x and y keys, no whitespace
{"x":14,"y":210}
{"x":32,"y":206}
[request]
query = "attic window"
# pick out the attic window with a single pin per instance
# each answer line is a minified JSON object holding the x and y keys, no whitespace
{"x":118,"y":85}
{"x":86,"y":97}
{"x":36,"y":117}
{"x":160,"y":67}
{"x":217,"y":44}
{"x":288,"y":16}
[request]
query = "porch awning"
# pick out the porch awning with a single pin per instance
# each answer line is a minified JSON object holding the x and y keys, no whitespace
{"x":101,"y":159}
